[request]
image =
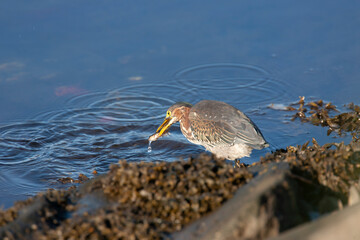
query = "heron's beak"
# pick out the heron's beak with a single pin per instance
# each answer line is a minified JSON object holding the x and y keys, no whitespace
{"x":165,"y":125}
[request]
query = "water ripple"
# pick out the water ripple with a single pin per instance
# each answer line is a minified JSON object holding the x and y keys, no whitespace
{"x":233,"y":83}
{"x":92,"y":132}
{"x":95,"y":130}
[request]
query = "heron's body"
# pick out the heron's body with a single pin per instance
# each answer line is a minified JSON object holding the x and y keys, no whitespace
{"x":219,"y":127}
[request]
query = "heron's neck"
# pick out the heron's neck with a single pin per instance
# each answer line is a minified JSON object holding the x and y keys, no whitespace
{"x":185,"y":123}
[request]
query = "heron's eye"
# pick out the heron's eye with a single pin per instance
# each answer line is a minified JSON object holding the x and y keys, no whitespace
{"x":168,"y":113}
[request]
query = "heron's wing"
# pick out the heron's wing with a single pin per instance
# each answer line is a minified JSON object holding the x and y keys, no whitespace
{"x":232,"y":125}
{"x":247,"y":132}
{"x":225,"y":131}
{"x":212,"y":132}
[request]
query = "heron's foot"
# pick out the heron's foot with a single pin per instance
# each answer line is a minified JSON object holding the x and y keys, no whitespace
{"x":239,"y":164}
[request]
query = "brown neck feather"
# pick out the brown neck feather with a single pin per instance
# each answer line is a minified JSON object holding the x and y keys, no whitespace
{"x":185,"y":123}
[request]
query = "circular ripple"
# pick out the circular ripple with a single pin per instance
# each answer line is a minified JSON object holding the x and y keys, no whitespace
{"x":222,"y":76}
{"x":155,"y":90}
{"x":91,"y":132}
{"x":114,"y":106}
{"x":231,"y":83}
{"x":247,"y":96}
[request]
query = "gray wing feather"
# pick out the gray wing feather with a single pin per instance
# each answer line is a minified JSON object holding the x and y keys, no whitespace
{"x":211,"y":132}
{"x":232,"y":126}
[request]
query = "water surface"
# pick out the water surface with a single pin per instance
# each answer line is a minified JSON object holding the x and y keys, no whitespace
{"x":84,"y":83}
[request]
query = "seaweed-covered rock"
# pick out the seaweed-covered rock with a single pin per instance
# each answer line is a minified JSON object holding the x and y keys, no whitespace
{"x":154,"y":200}
{"x":321,"y":114}
{"x":133,"y":201}
{"x":336,"y":166}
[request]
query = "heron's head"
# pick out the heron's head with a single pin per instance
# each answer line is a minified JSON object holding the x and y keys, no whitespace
{"x":174,"y":114}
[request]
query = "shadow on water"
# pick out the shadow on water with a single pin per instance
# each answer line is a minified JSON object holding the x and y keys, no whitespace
{"x":97,"y":129}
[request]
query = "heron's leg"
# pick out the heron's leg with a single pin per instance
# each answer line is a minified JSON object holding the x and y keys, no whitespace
{"x":237,"y":163}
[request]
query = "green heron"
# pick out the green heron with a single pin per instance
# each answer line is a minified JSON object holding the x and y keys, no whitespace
{"x":221,"y":128}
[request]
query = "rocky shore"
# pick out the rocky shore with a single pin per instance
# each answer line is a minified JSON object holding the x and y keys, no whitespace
{"x":300,"y":192}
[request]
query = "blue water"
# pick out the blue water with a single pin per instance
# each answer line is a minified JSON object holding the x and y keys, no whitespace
{"x":84,"y":83}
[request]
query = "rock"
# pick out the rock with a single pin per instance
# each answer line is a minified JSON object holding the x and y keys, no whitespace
{"x":254,"y":210}
{"x":342,"y":225}
{"x":354,"y":196}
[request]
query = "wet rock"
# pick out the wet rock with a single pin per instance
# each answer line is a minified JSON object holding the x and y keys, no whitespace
{"x":354,"y":195}
{"x":276,"y":200}
{"x":66,"y":180}
{"x":252,"y":212}
{"x":338,"y":225}
{"x":139,"y":201}
{"x":336,"y":166}
{"x":321,"y":114}
{"x":81,"y":179}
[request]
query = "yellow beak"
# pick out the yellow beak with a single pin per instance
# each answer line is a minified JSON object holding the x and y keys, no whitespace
{"x":164,"y":126}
